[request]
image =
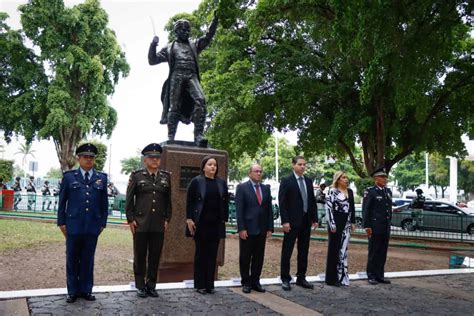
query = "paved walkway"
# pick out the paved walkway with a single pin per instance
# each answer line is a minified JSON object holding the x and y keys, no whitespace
{"x":436,"y":295}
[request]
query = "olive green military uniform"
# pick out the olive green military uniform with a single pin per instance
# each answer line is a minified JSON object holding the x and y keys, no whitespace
{"x":148,"y":203}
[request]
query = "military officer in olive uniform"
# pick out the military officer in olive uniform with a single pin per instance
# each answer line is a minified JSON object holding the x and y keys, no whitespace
{"x":148,"y":208}
{"x":82,"y":216}
{"x":377,"y":214}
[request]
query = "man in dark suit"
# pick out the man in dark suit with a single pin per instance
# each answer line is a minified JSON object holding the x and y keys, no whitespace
{"x":253,"y":203}
{"x":82,"y":216}
{"x":298,"y":213}
{"x":148,"y":208}
{"x":377,"y":215}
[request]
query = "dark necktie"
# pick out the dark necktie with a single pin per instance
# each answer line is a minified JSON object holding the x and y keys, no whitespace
{"x":86,"y":177}
{"x":153,"y":177}
{"x":259,"y":194}
{"x":304,"y":194}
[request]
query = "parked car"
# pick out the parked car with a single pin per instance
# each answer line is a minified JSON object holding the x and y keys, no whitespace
{"x":437,"y":215}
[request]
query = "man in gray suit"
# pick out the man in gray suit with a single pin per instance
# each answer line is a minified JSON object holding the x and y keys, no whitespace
{"x":253,"y":202}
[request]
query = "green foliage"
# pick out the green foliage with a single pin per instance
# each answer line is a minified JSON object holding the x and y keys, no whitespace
{"x":54,"y":173}
{"x":410,"y":172}
{"x":25,"y":150}
{"x":466,"y":177}
{"x":22,"y":85}
{"x":395,"y":77}
{"x":84,"y":63}
{"x":438,"y":172}
{"x":6,"y":170}
{"x":362,"y":184}
{"x":130,"y":164}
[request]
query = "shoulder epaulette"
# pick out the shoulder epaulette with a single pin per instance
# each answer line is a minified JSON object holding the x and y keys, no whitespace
{"x":137,"y":171}
{"x":70,"y":171}
{"x":165,"y":172}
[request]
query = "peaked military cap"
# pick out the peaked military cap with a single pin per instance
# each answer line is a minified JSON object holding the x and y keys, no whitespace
{"x":380,"y":172}
{"x":152,"y":150}
{"x":86,"y":149}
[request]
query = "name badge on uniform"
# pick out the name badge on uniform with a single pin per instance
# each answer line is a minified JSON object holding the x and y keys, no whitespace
{"x":379,"y":198}
{"x":98,"y":182}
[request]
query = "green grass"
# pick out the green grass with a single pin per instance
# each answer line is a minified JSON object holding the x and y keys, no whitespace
{"x":17,"y":234}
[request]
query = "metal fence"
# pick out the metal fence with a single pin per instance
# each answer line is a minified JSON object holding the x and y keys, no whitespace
{"x":447,"y":227}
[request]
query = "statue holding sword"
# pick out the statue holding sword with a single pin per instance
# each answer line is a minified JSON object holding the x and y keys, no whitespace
{"x":182,"y":95}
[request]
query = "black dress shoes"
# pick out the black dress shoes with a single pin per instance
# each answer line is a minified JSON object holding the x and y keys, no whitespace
{"x":246,"y":289}
{"x":210,"y":291}
{"x":258,"y":287}
{"x":285,"y":285}
{"x":151,"y":293}
{"x":373,"y":281}
{"x":384,"y":281}
{"x":141,"y":293}
{"x":71,"y":298}
{"x":88,"y":297}
{"x":305,"y":284}
{"x":201,"y":291}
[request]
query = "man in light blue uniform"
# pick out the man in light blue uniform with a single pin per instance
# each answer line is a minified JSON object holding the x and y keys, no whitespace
{"x":82,"y":215}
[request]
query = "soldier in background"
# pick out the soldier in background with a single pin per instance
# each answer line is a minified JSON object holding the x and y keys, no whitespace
{"x":56,"y":195}
{"x":148,"y":209}
{"x":377,"y":214}
{"x":417,"y":205}
{"x":46,"y":195}
{"x":17,"y":193}
{"x":3,"y":186}
{"x":31,"y":192}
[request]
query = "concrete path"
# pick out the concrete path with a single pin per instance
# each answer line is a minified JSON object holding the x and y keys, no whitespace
{"x":431,"y":295}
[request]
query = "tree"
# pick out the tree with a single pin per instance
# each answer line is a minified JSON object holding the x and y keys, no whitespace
{"x":466,"y":177}
{"x":130,"y":164}
{"x":22,"y":85}
{"x":84,"y":64}
{"x":6,"y":170}
{"x":26,"y":149}
{"x":438,"y":173}
{"x":54,"y":173}
{"x":410,"y":172}
{"x":394,"y":76}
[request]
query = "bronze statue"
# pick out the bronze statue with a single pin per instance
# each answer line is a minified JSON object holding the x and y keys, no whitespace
{"x":182,"y":95}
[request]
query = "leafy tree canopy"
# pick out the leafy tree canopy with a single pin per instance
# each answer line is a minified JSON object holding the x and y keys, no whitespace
{"x":6,"y":170}
{"x":395,"y":77}
{"x":84,"y":63}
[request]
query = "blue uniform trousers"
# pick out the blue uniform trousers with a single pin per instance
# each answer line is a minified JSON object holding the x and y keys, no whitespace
{"x":80,"y":251}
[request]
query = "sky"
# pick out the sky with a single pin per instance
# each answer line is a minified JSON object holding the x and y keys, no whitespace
{"x":137,"y":97}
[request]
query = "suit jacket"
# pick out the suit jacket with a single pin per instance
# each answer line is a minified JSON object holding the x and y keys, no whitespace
{"x":291,"y":202}
{"x":148,"y":202}
{"x":83,"y":206}
{"x":256,"y":219}
{"x":377,"y":209}
{"x":195,"y":201}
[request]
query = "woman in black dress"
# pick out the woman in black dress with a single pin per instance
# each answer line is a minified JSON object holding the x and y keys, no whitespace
{"x":207,"y":210}
{"x":340,"y":215}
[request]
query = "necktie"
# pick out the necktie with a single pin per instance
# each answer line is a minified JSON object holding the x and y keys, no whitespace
{"x":153,"y":177}
{"x":304,"y":194}
{"x":86,"y":177}
{"x":259,"y":194}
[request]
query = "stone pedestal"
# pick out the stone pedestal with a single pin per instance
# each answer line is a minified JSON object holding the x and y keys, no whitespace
{"x":184,"y":163}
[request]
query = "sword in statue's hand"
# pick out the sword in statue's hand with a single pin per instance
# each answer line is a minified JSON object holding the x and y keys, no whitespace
{"x":155,"y":38}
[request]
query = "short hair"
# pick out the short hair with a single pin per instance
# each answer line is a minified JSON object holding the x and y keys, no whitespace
{"x":253,"y":165}
{"x":336,"y":178}
{"x":205,"y":160}
{"x":295,"y":159}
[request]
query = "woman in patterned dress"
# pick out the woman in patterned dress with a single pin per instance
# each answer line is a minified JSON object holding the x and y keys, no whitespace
{"x":340,"y":215}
